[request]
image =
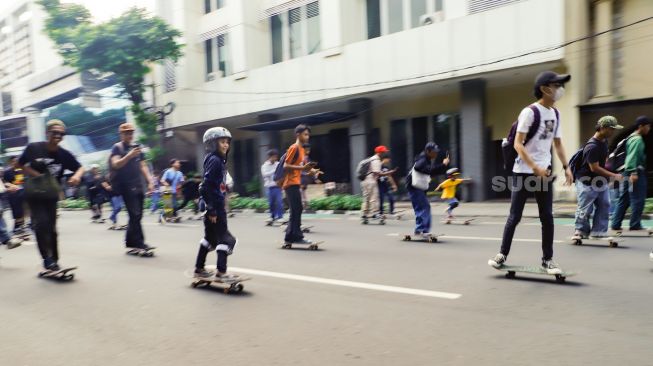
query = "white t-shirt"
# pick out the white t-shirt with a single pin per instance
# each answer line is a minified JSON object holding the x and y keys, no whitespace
{"x":267,"y":171}
{"x":539,"y":147}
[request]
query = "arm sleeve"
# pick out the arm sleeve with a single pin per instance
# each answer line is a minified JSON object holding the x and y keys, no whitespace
{"x":213,"y":175}
{"x":525,"y":120}
{"x":422,"y":165}
{"x":26,"y":156}
{"x":70,"y":162}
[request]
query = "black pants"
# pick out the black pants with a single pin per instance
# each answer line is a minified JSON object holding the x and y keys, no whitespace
{"x":44,"y":225}
{"x":216,"y":237}
{"x":134,"y":199}
{"x":544,"y":197}
{"x":16,"y":201}
{"x":294,"y":229}
{"x":385,"y":192}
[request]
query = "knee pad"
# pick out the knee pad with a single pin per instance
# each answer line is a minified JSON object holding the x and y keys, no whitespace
{"x":207,"y":245}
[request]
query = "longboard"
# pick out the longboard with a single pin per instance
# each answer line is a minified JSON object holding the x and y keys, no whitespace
{"x":511,"y":272}
{"x":314,"y":246}
{"x":413,"y":237}
{"x":633,"y":234}
{"x":61,"y":275}
{"x":233,"y":285}
{"x":370,"y":220}
{"x":99,"y":221}
{"x":457,"y":222}
{"x":149,"y":252}
{"x":577,"y":240}
{"x":397,"y":215}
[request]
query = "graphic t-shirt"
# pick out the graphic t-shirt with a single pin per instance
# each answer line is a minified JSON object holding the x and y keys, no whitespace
{"x":39,"y":158}
{"x":539,"y":147}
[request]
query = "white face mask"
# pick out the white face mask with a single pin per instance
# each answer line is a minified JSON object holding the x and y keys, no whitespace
{"x":560,"y":92}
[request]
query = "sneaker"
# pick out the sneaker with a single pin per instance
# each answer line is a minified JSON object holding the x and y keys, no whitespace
{"x":203,"y":273}
{"x":551,"y":267}
{"x":53,"y":267}
{"x":580,"y":234}
{"x":226,"y":277}
{"x":13,"y":243}
{"x":598,"y":236}
{"x":303,"y":241}
{"x":497,"y":261}
{"x":426,"y":236}
{"x":639,"y":229}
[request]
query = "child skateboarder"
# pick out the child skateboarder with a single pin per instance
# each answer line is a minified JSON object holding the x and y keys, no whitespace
{"x":448,"y":188}
{"x":213,"y":191}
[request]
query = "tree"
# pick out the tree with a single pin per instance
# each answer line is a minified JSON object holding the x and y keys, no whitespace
{"x":125,"y":47}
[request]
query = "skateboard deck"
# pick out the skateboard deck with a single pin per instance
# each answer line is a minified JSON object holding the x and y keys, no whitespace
{"x":314,"y":246}
{"x":99,"y":221}
{"x":413,"y":237}
{"x":369,"y":220}
{"x":62,"y":275}
{"x":633,"y":234}
{"x":119,"y":227}
{"x":397,"y":215}
{"x":511,"y":272}
{"x":229,"y":286}
{"x":149,"y":252}
{"x":577,"y":240}
{"x":457,"y":222}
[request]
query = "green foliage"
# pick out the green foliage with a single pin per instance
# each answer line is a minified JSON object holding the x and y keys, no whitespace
{"x":72,"y":203}
{"x":253,"y":186}
{"x":337,"y":202}
{"x":240,"y":203}
{"x":648,"y":208}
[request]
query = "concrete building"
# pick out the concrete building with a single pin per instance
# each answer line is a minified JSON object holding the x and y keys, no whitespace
{"x":395,"y":72}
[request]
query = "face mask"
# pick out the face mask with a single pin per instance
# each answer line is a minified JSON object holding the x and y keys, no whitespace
{"x":560,"y":92}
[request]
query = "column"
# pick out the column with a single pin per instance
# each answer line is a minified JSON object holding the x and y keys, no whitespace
{"x":267,"y":140}
{"x":359,"y":127}
{"x":35,"y":124}
{"x":473,"y":138}
{"x":603,"y":49}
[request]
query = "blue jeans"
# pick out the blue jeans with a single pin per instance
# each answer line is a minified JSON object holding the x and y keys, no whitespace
{"x":276,"y":202}
{"x":4,"y":234}
{"x":386,"y":192}
{"x":156,"y":197}
{"x":592,"y":200}
{"x":422,"y":209}
{"x":116,"y":205}
{"x":633,"y":198}
{"x":614,"y":198}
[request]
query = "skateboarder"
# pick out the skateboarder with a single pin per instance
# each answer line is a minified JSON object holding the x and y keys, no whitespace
{"x":273,"y":190}
{"x":95,"y":192}
{"x":45,"y":162}
{"x":128,"y":167}
{"x":448,"y":188}
{"x":417,"y":183}
{"x":213,"y":191}
{"x":293,"y":167}
{"x":171,"y":180}
{"x":369,"y":176}
{"x":387,"y":184}
{"x":592,"y":182}
{"x":5,"y":237}
{"x":532,"y":168}
{"x":632,"y":191}
{"x":190,"y":192}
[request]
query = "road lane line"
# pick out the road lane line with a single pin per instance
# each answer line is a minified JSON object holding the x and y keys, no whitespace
{"x":361,"y":285}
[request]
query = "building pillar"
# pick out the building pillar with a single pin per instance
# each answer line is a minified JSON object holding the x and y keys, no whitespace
{"x":267,"y":140}
{"x":359,"y":127}
{"x":603,"y":49}
{"x":473,"y":137}
{"x":35,"y":125}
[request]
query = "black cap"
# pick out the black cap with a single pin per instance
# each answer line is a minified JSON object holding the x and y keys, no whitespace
{"x":642,"y":120}
{"x":550,"y":77}
{"x":272,"y":152}
{"x":432,"y":146}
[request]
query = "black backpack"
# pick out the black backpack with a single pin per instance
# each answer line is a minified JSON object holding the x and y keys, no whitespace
{"x":279,"y":172}
{"x":508,"y":146}
{"x":576,"y":161}
{"x":362,"y":171}
{"x":617,"y":159}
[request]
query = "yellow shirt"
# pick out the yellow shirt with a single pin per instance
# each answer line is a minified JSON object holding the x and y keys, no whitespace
{"x":449,"y":188}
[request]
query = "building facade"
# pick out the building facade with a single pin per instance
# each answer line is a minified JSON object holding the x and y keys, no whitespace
{"x":393,"y":72}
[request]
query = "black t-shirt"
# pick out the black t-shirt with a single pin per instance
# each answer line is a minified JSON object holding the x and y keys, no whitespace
{"x":383,"y":180}
{"x":595,"y":151}
{"x":130,"y":174}
{"x":39,"y":158}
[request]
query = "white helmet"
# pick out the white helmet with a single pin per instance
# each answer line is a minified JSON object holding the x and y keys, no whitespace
{"x":215,"y":133}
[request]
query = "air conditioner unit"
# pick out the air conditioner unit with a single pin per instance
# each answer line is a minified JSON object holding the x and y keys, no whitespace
{"x":214,"y":75}
{"x":428,"y":19}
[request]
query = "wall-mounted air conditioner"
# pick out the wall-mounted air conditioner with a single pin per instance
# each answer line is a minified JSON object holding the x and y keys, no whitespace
{"x":428,"y":19}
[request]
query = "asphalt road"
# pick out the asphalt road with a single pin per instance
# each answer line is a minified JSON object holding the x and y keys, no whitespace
{"x":366,"y":298}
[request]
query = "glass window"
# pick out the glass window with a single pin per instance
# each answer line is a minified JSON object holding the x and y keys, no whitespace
{"x":417,"y":9}
{"x":438,"y":5}
{"x":313,"y":25}
{"x":373,"y":19}
{"x":220,"y":4}
{"x":207,"y":6}
{"x":208,"y":50}
{"x":395,"y":16}
{"x":276,"y":26}
{"x":223,"y":54}
{"x":295,"y":32}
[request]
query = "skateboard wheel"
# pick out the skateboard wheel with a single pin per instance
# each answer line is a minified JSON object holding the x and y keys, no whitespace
{"x":578,"y":242}
{"x":239,"y":288}
{"x":226,"y":290}
{"x":69,"y":277}
{"x":407,"y":238}
{"x":560,"y":279}
{"x":510,"y":274}
{"x":613,"y":244}
{"x":194,"y":284}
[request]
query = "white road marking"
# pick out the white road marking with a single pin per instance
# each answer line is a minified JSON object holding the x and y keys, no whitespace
{"x":361,"y":285}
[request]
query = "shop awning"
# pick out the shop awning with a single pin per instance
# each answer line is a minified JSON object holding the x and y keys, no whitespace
{"x":310,"y":120}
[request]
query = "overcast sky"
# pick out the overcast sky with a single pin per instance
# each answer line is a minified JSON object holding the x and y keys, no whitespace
{"x":101,"y":9}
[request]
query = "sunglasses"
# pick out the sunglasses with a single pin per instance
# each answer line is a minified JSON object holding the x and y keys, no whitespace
{"x":57,"y":134}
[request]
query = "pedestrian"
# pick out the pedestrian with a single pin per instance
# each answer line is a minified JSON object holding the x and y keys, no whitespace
{"x":213,"y":191}
{"x":533,"y":165}
{"x":632,"y":191}
{"x":44,"y":163}
{"x":293,"y":167}
{"x":116,"y":204}
{"x":155,"y":196}
{"x":190,"y":192}
{"x":14,"y":178}
{"x":172,"y":179}
{"x":5,"y":236}
{"x":417,"y":182}
{"x":592,"y":182}
{"x":95,"y":192}
{"x":272,"y":189}
{"x":448,"y":188}
{"x":387,"y":184}
{"x":128,"y":166}
{"x":369,"y":174}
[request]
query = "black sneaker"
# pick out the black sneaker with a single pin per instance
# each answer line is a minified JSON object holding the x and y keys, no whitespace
{"x":54,"y":267}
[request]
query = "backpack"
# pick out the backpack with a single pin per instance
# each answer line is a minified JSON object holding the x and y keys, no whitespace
{"x":363,"y":168}
{"x":576,"y":161}
{"x":508,"y":145}
{"x":279,"y":171}
{"x":617,"y":159}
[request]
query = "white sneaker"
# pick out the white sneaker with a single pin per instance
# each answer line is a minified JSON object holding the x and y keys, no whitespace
{"x":426,"y":236}
{"x":13,"y":243}
{"x":551,"y":267}
{"x":497,"y":261}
